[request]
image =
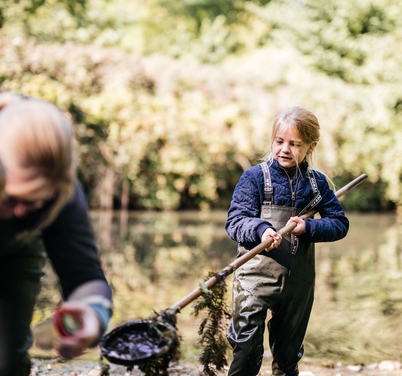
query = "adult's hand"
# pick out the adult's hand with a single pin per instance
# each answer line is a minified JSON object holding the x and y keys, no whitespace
{"x":89,"y":332}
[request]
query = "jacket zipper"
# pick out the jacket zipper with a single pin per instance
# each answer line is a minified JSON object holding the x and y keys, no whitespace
{"x":293,"y":190}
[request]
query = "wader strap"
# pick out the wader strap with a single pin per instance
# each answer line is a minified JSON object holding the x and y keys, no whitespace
{"x":268,"y":192}
{"x":312,"y":204}
{"x":268,"y":200}
{"x":317,"y":195}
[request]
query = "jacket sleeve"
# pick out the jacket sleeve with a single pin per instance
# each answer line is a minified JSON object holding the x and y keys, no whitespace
{"x":333,"y":224}
{"x":71,"y":247}
{"x":243,"y":223}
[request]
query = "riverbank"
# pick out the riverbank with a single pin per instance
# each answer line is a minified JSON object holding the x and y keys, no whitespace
{"x":308,"y":367}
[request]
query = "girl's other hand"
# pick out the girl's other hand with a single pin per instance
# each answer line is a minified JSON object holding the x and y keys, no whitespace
{"x":88,"y":334}
{"x":300,"y":225}
{"x":270,"y":233}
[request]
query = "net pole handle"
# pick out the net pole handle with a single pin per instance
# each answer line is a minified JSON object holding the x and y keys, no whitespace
{"x":256,"y":250}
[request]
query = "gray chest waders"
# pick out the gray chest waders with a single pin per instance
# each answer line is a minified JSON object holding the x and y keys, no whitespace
{"x":281,"y":280}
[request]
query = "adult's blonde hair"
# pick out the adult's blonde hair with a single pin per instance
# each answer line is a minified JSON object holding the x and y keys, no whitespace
{"x":40,"y":142}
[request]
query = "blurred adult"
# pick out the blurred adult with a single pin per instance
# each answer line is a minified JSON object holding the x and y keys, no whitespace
{"x":43,"y":214}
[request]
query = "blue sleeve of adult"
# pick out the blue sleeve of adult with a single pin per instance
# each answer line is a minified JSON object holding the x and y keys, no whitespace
{"x":104,"y":314}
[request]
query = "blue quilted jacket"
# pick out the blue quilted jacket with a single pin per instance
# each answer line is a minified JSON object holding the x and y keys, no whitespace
{"x":245,"y":226}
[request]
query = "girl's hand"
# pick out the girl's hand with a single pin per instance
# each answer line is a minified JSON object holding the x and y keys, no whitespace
{"x":269,"y":233}
{"x":300,"y":225}
{"x":75,"y":345}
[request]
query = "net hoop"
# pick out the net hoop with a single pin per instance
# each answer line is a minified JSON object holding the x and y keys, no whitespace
{"x":157,"y":337}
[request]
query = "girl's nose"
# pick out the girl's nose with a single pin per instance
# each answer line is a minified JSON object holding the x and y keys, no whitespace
{"x":285,"y":147}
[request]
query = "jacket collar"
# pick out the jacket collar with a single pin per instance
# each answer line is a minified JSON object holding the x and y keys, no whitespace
{"x":303,"y":166}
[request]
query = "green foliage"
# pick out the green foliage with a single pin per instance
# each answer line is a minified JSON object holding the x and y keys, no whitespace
{"x":207,"y":31}
{"x":350,"y":40}
{"x":366,"y":197}
{"x":179,"y":131}
{"x":168,"y":146}
{"x":28,"y":6}
{"x":26,"y":17}
{"x":199,"y":10}
{"x":213,"y":326}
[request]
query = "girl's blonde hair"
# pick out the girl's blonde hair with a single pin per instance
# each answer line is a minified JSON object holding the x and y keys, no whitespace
{"x":306,"y":124}
{"x":304,"y":121}
{"x":41,"y":144}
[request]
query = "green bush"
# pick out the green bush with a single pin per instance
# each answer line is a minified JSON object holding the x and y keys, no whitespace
{"x":179,"y":133}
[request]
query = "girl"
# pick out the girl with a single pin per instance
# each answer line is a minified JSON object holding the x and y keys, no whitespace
{"x":43,"y":213}
{"x":281,"y":280}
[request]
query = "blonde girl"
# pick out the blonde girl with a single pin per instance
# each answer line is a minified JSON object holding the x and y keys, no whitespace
{"x":279,"y":280}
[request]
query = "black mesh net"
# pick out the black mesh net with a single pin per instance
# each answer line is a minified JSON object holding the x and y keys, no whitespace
{"x":149,"y":343}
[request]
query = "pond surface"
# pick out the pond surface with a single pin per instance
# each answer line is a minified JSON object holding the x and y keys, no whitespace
{"x":153,"y":260}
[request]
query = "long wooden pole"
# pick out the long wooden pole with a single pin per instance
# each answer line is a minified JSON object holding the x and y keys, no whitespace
{"x":256,"y":250}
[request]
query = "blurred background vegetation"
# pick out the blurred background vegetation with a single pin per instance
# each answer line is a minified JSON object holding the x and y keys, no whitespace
{"x":172,"y":99}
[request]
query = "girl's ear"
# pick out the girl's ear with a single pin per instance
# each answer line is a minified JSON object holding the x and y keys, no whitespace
{"x":312,"y":147}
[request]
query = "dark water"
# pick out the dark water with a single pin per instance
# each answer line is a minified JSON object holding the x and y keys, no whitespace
{"x":152,"y":260}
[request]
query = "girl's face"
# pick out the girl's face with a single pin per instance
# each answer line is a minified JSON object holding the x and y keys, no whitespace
{"x":288,"y":148}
